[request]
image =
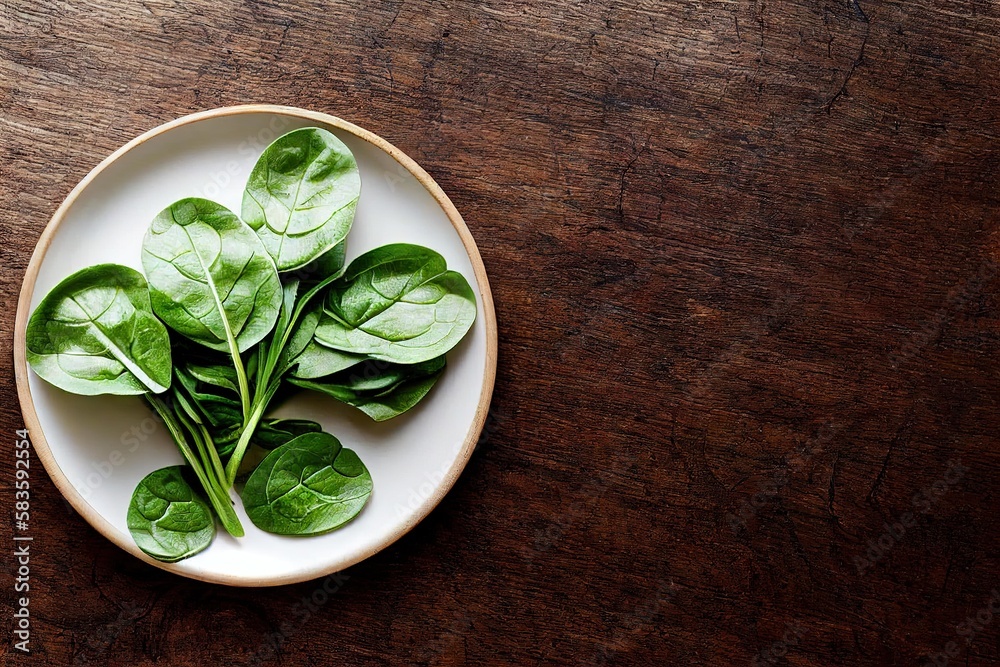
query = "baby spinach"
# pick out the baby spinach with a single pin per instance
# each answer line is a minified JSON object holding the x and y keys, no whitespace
{"x":275,"y":432}
{"x":186,"y":428}
{"x":211,"y":279}
{"x":221,"y":377}
{"x":379,"y":389}
{"x":95,"y":333}
{"x":254,"y":309}
{"x":328,"y":264}
{"x":275,"y":356}
{"x":167,"y":519}
{"x":398,"y":303}
{"x":301,"y":196}
{"x":301,"y":338}
{"x":308,"y":486}
{"x":316,"y":361}
{"x":220,"y":409}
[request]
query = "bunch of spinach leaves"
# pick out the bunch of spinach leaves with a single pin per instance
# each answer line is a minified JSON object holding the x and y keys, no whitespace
{"x":233,"y":313}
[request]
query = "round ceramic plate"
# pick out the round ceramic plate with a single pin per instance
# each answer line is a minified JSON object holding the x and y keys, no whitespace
{"x":96,"y":449}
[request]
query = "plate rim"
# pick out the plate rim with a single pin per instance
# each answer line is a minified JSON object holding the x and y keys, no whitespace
{"x":37,"y":437}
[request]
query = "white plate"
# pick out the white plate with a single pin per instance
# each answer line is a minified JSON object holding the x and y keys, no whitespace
{"x":96,"y":449}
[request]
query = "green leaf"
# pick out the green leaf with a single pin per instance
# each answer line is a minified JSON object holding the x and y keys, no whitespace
{"x":95,"y":333}
{"x":272,"y":433}
{"x":307,"y":486}
{"x":167,"y":519}
{"x":210,"y":277}
{"x":301,"y":337}
{"x":329,"y":264}
{"x":208,"y":367}
{"x":226,"y":436}
{"x":379,"y":389}
{"x":219,"y":411}
{"x":398,"y":303}
{"x":301,"y":196}
{"x":289,"y":295}
{"x":221,"y":377}
{"x":317,"y":361}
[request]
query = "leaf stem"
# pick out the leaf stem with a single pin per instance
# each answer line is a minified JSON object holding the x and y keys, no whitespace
{"x":241,"y":374}
{"x":210,"y":456}
{"x":203,"y":441}
{"x":265,"y":388}
{"x":300,"y":309}
{"x":244,"y":442}
{"x":223,"y":505}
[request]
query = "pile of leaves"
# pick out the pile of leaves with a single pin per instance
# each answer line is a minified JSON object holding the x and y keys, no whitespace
{"x":233,"y":314}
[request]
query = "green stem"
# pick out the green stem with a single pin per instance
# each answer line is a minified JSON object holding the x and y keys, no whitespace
{"x":265,"y":389}
{"x":222,"y":502}
{"x":241,"y":375}
{"x":188,"y":423}
{"x":210,"y":454}
{"x":248,"y":431}
{"x":203,"y":442}
{"x":223,"y":505}
{"x":300,"y":309}
{"x":213,"y":455}
{"x":241,"y":445}
{"x":304,"y":301}
{"x":261,"y":355}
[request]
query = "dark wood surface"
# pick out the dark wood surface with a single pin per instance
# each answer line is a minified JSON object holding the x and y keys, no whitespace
{"x":743,"y":255}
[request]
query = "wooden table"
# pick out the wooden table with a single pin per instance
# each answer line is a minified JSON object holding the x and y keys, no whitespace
{"x":744,"y":260}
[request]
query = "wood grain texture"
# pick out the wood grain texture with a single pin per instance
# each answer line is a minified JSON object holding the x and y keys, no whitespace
{"x":743,"y":256}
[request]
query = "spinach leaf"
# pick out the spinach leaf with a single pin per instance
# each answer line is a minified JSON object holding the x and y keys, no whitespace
{"x":272,"y":433}
{"x":379,"y":389}
{"x":210,"y":277}
{"x":301,"y":338}
{"x":95,"y":333}
{"x":326,"y":265}
{"x":304,"y":357}
{"x":301,"y":196}
{"x":275,"y":355}
{"x":208,"y":367}
{"x":308,"y":486}
{"x":398,"y":303}
{"x":226,"y":436}
{"x":317,"y":361}
{"x":221,"y":377}
{"x":276,"y":346}
{"x":194,"y":441}
{"x":167,"y":519}
{"x":396,"y":401}
{"x":219,"y":411}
